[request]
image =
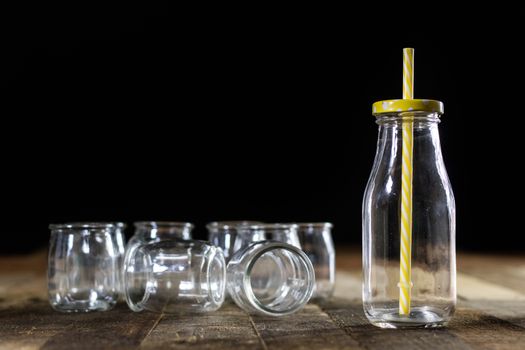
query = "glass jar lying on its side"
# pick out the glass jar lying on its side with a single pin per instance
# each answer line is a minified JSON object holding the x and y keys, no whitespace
{"x":269,"y":277}
{"x":175,"y":276}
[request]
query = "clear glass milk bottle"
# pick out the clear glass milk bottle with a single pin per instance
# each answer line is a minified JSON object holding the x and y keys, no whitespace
{"x":430,"y":258}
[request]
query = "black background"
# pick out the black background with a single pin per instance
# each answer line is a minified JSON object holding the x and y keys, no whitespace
{"x":228,"y":113}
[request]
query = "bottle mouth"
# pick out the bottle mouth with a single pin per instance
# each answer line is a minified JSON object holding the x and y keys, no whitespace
{"x":405,"y":117}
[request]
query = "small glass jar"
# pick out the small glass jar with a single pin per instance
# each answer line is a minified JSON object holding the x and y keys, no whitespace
{"x":270,"y":278}
{"x":316,"y":242}
{"x":230,"y":236}
{"x":431,"y":257}
{"x":175,"y":276}
{"x":286,"y":233}
{"x":156,"y":231}
{"x":83,"y":272}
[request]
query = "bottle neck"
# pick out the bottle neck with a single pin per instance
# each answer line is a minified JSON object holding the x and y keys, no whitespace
{"x":425,"y":134}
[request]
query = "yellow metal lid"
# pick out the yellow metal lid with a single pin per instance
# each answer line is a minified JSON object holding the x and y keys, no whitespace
{"x":416,"y":105}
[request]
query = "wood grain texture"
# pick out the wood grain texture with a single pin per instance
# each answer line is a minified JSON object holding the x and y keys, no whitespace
{"x":228,"y":328}
{"x":310,"y":328}
{"x":490,"y":315}
{"x":350,"y":317}
{"x":483,"y":331}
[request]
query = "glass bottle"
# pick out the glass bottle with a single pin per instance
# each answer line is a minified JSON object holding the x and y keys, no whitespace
{"x":433,"y":257}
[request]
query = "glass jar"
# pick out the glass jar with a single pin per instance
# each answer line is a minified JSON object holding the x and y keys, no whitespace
{"x":286,"y":233}
{"x":431,"y":251}
{"x":316,"y":241}
{"x":270,"y":278}
{"x":230,"y":236}
{"x":175,"y":276}
{"x":149,"y":231}
{"x":83,"y":272}
{"x":156,"y":231}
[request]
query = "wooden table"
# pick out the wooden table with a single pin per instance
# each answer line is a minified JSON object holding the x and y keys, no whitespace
{"x":490,"y":315}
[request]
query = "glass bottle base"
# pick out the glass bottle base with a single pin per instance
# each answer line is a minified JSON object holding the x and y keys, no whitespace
{"x":420,"y":317}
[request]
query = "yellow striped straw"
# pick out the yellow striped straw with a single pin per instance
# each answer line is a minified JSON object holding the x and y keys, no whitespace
{"x":405,"y":270}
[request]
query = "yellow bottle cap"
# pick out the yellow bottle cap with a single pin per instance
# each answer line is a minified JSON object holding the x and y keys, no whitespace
{"x":395,"y":106}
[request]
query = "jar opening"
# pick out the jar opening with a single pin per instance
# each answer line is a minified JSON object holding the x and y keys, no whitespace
{"x":83,"y":225}
{"x":313,"y":225}
{"x":279,"y":279}
{"x":163,"y":224}
{"x":227,"y":225}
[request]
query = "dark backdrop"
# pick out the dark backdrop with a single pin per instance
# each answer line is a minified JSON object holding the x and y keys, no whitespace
{"x":163,"y":114}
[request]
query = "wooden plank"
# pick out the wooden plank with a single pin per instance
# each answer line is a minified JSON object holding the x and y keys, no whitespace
{"x":474,"y":288}
{"x":34,"y":263}
{"x":29,"y":325}
{"x":119,"y":328}
{"x":491,"y":315}
{"x":348,"y":285}
{"x":504,"y":271}
{"x":482,"y":331}
{"x":227,"y":328}
{"x":510,"y":311}
{"x":350,"y":317}
{"x":310,"y":328}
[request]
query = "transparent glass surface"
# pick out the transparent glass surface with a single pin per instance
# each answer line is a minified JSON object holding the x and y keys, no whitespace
{"x":156,"y":231}
{"x":433,"y":294}
{"x":83,"y":267}
{"x":286,"y":233}
{"x":232,"y":236}
{"x":270,"y":278}
{"x":120,"y":242}
{"x":175,"y":276}
{"x":316,"y":242}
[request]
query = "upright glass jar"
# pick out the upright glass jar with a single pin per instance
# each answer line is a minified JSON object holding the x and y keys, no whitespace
{"x":83,"y":267}
{"x":156,"y":231}
{"x":230,"y":236}
{"x":316,"y":242}
{"x":431,"y":258}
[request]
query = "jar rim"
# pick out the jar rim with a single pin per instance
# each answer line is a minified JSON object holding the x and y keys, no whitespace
{"x":231,"y":224}
{"x":315,"y":224}
{"x":274,"y":226}
{"x":86,"y":225}
{"x":266,"y":247}
{"x":163,"y":224}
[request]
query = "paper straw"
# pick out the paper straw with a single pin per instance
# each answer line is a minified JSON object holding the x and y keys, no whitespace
{"x":405,"y":270}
